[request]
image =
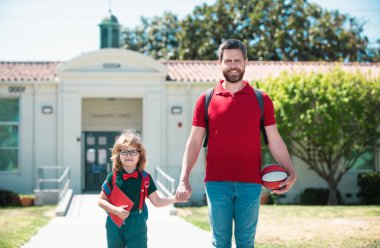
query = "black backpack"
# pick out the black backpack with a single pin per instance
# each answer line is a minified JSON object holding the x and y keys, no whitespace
{"x":259,"y":95}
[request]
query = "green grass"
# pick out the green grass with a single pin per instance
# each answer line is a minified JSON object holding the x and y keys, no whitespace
{"x":19,"y":224}
{"x":284,"y":226}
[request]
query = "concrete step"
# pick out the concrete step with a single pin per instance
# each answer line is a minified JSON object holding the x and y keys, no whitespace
{"x":64,"y":204}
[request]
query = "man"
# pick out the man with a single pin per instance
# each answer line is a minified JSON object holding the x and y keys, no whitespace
{"x":233,"y":162}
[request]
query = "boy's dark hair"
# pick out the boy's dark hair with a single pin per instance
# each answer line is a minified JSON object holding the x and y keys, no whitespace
{"x":232,"y":44}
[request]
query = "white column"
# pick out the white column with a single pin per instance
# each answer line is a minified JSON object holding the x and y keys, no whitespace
{"x":152,"y":131}
{"x":71,"y":138}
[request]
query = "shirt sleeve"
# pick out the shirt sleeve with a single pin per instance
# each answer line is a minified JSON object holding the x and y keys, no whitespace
{"x":152,"y":186}
{"x":199,"y":112}
{"x":269,"y":117}
{"x":107,"y":185}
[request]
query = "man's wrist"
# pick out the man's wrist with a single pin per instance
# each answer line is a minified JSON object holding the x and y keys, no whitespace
{"x":184,"y":178}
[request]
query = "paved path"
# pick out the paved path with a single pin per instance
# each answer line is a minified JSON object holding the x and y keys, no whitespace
{"x":84,"y":226}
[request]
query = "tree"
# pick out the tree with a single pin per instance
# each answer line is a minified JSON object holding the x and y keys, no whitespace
{"x":291,"y":30}
{"x":374,"y":51}
{"x":327,"y":119}
{"x":203,"y":30}
{"x":156,"y":37}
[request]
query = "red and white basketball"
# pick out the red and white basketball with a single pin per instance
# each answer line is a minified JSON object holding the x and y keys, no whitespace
{"x":272,"y":175}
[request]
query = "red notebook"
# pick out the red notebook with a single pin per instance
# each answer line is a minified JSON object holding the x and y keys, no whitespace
{"x":118,"y":198}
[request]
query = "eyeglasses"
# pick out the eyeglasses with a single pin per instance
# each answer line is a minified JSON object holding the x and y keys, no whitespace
{"x":131,"y":152}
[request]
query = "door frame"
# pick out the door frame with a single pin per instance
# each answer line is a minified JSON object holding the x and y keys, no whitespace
{"x":85,"y":186}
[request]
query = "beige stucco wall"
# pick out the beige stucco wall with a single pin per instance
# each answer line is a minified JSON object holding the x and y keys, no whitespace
{"x":37,"y":133}
{"x":178,"y":126}
{"x":84,"y":77}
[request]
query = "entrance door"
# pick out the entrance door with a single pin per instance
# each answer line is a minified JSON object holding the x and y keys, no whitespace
{"x":97,"y":152}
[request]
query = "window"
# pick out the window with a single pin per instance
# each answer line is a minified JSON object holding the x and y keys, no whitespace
{"x":365,"y":161}
{"x":9,"y":119}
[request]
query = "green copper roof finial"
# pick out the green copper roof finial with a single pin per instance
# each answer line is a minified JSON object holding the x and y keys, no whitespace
{"x":109,"y":30}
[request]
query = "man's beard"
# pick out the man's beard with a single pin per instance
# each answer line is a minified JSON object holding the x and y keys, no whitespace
{"x":234,"y":78}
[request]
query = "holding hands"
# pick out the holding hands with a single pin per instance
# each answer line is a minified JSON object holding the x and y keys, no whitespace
{"x":183,"y":193}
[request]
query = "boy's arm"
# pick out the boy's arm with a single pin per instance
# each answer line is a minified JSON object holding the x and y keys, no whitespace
{"x":193,"y":146}
{"x":108,"y":207}
{"x":158,"y":201}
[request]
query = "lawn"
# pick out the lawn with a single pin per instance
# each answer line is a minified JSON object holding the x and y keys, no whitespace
{"x":287,"y":226}
{"x":19,"y":224}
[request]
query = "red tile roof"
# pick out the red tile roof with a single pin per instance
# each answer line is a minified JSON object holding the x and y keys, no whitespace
{"x":28,"y":71}
{"x":186,"y":71}
{"x":209,"y":71}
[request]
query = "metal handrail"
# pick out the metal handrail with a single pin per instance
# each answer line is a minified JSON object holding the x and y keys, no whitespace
{"x":62,"y":183}
{"x":63,"y":189}
{"x":165,"y":182}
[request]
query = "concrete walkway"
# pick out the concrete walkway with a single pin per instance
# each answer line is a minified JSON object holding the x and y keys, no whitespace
{"x":84,"y":226}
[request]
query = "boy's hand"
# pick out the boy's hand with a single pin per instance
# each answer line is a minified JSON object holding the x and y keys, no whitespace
{"x":122,"y":212}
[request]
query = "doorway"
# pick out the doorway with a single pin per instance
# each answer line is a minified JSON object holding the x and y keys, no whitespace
{"x":97,"y":150}
{"x":102,"y":121}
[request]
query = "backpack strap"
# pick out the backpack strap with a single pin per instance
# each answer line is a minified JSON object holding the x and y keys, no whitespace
{"x":259,"y":96}
{"x":208,"y":95}
{"x":144,"y":189}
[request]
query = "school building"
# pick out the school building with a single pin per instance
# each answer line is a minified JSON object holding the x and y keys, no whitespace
{"x":67,"y":114}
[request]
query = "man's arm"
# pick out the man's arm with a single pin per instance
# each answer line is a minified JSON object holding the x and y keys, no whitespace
{"x":193,"y":146}
{"x":279,"y":151}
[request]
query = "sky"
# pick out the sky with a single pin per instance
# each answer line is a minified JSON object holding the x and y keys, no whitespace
{"x":59,"y":30}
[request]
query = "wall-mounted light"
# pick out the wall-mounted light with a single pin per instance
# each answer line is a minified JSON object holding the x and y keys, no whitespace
{"x":176,"y":110}
{"x":47,"y":110}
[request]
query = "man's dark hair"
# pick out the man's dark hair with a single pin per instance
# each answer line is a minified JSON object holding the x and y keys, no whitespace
{"x":232,"y":44}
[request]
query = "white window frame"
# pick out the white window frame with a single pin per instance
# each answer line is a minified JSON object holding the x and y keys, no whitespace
{"x":17,"y":124}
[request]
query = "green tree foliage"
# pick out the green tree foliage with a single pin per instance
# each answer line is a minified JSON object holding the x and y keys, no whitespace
{"x":328,"y":119}
{"x":374,"y":51}
{"x":291,"y":30}
{"x":156,"y":37}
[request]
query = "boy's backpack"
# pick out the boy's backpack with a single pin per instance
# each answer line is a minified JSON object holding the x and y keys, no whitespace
{"x":144,"y":187}
{"x":259,"y":95}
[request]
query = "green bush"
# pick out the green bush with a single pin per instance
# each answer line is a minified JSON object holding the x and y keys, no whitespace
{"x":317,"y":196}
{"x":274,"y":198}
{"x":8,"y":198}
{"x":369,"y":184}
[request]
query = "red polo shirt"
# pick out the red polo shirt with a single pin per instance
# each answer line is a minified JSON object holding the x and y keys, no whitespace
{"x":234,"y":148}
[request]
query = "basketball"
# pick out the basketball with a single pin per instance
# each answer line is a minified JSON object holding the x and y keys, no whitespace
{"x":272,"y":175}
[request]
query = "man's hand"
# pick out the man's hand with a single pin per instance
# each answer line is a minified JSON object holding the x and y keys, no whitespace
{"x":183,"y":191}
{"x":286,"y":185}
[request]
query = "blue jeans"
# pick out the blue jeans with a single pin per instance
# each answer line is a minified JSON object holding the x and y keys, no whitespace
{"x":233,"y":201}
